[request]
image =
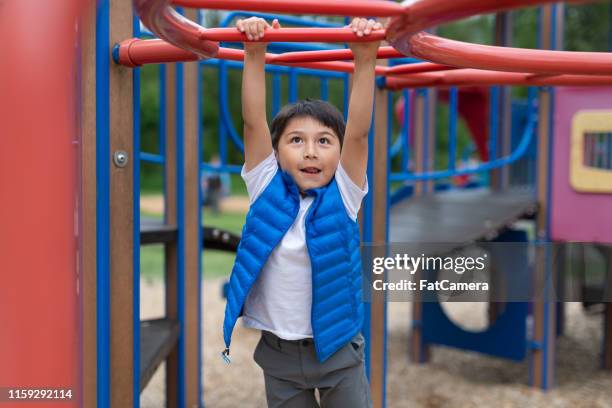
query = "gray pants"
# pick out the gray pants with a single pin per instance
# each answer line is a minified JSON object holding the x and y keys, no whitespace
{"x":292,"y":373}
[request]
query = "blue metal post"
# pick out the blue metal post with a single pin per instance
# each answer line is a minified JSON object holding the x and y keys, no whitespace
{"x":426,"y":134}
{"x":494,"y":122}
{"x":200,"y":243}
{"x":136,"y":225}
{"x":406,"y":131}
{"x":276,"y":93}
{"x":293,"y":85}
{"x":162,"y":125}
{"x":452,"y":129}
{"x":180,"y":206}
{"x":103,"y":203}
{"x":345,"y":94}
{"x":324,"y":89}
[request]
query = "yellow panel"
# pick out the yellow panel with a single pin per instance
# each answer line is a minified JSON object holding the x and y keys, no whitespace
{"x":583,"y":178}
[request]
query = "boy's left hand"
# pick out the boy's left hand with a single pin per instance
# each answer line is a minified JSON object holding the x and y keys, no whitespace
{"x":363,"y":27}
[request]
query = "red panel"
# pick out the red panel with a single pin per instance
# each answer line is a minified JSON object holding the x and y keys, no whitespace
{"x":582,"y":217}
{"x":39,"y":339}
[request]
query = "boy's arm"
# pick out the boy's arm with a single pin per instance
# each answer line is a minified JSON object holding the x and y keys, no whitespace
{"x":257,"y":139}
{"x":354,"y":156}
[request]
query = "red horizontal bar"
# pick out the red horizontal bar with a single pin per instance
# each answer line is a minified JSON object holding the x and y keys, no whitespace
{"x":135,"y":52}
{"x":292,"y":35}
{"x":456,"y":53}
{"x":337,"y":66}
{"x":417,"y":68}
{"x":471,"y":77}
{"x":358,"y":8}
{"x":333,"y":55}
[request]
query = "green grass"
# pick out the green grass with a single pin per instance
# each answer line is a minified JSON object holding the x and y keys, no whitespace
{"x":214,"y":263}
{"x":151,"y":181}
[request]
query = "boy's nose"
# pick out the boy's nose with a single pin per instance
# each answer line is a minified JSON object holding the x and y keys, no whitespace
{"x":310,"y":151}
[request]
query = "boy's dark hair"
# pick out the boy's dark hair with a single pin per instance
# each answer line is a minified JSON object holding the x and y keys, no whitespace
{"x":323,"y":112}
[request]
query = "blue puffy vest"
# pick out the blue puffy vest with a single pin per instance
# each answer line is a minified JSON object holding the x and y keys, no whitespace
{"x":332,"y":239}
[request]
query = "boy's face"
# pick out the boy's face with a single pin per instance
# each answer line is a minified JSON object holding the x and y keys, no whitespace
{"x":309,"y":151}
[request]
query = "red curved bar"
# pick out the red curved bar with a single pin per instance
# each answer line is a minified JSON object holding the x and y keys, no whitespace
{"x":332,"y":55}
{"x":359,"y":8}
{"x":461,"y":54}
{"x":292,"y":35}
{"x":163,"y":21}
{"x":425,"y":14}
{"x":471,"y":77}
{"x":403,"y":33}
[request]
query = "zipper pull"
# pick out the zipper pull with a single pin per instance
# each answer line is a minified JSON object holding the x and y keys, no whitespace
{"x":225,"y":356}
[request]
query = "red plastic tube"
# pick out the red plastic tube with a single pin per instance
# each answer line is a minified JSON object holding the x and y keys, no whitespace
{"x":359,"y":8}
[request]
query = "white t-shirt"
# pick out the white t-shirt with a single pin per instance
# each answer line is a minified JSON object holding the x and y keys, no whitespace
{"x":281,"y":298}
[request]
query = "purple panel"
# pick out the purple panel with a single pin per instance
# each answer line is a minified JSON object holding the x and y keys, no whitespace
{"x":583,"y":217}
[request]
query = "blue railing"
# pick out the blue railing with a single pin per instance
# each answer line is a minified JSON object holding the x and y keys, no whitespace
{"x":452,"y":171}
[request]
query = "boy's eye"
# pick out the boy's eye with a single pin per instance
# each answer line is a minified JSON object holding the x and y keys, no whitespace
{"x":324,"y":140}
{"x":296,"y":139}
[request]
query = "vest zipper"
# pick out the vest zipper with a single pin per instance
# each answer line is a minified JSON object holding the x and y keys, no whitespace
{"x":225,"y":356}
{"x":312,"y":283}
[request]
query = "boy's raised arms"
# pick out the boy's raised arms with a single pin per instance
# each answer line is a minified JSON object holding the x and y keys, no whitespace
{"x":354,"y":156}
{"x":257,"y":139}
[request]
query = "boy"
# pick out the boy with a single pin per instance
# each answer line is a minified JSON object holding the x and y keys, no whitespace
{"x":297,"y":275}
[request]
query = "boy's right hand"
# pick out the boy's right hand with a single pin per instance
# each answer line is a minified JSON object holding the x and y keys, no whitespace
{"x":254,"y":28}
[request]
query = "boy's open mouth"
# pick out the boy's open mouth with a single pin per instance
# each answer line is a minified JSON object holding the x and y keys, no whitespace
{"x":310,"y":170}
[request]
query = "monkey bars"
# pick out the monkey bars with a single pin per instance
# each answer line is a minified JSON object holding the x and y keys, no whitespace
{"x":188,"y":41}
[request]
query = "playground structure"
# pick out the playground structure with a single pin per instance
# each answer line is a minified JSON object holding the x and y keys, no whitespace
{"x":120,"y":353}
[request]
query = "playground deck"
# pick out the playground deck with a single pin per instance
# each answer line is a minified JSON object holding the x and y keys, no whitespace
{"x":456,"y":218}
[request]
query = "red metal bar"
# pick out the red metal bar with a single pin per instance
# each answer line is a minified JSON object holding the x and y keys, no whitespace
{"x":358,"y":8}
{"x":167,"y":24}
{"x":417,"y":68}
{"x":332,"y":55}
{"x":472,"y":77}
{"x":424,"y":14}
{"x":135,"y":52}
{"x":292,"y":35}
{"x":461,"y":54}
